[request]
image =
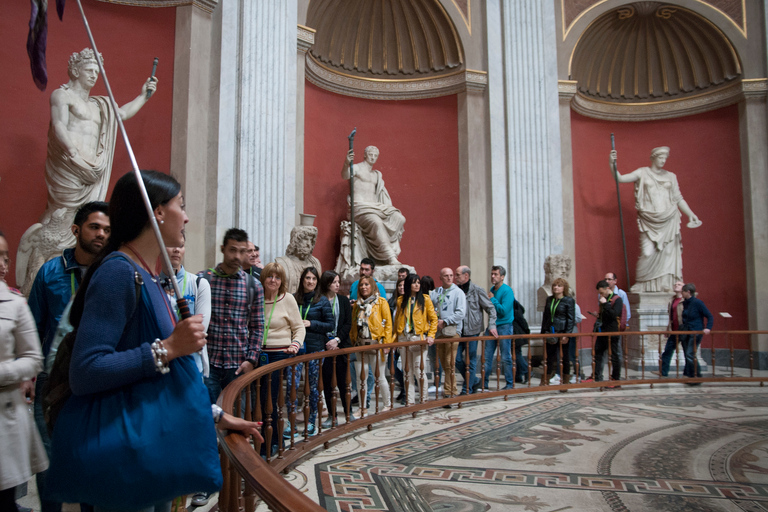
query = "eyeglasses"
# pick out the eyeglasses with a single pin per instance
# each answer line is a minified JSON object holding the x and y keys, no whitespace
{"x":276,"y":278}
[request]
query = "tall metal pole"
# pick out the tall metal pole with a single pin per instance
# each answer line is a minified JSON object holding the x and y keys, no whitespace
{"x":351,"y":139}
{"x":621,"y":215}
{"x":166,"y":261}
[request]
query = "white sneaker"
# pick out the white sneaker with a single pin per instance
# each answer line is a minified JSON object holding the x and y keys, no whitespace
{"x":431,"y":389}
{"x":573,"y":380}
{"x":555,"y":380}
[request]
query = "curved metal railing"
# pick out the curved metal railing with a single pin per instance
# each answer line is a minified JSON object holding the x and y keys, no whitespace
{"x":250,"y":470}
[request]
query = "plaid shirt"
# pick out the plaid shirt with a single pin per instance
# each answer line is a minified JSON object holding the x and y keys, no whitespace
{"x":234,"y":334}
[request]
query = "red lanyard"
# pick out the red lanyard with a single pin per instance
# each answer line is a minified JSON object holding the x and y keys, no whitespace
{"x":146,"y":267}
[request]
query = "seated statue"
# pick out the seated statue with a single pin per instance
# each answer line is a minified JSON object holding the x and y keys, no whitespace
{"x":378,"y":224}
{"x":81,"y":146}
{"x":298,"y":255}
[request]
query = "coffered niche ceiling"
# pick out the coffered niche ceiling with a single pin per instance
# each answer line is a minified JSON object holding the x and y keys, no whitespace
{"x":649,"y":60}
{"x":386,"y":49}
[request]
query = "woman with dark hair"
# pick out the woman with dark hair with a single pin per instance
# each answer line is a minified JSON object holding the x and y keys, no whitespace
{"x":284,"y":334}
{"x":138,"y":429}
{"x":21,"y":449}
{"x":428,"y":288}
{"x":317,"y":317}
{"x":372,"y":325}
{"x":338,"y":338}
{"x":559,"y":317}
{"x":415,"y":320}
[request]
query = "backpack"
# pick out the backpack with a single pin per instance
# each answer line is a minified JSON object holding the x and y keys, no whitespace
{"x":250,"y":293}
{"x":623,"y":320}
{"x":520,"y":324}
{"x":56,"y":391}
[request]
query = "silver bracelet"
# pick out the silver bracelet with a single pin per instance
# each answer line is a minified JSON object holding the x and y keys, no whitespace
{"x":218,"y":412}
{"x":160,"y":354}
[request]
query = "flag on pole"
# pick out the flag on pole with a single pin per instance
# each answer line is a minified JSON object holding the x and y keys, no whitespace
{"x":37,"y":39}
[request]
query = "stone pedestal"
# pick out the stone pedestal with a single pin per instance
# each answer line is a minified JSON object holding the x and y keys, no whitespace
{"x":649,"y":313}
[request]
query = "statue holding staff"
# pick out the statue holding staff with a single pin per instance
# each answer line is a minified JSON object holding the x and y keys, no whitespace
{"x":81,"y":147}
{"x":659,"y":205}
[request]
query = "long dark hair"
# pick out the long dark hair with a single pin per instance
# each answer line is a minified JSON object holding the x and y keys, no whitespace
{"x":326,"y":280}
{"x":427,"y":284}
{"x":300,"y":291}
{"x":412,"y":278}
{"x":127,"y":218}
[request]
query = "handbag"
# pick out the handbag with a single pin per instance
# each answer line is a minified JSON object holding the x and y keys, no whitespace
{"x":140,"y":444}
{"x":449,"y":331}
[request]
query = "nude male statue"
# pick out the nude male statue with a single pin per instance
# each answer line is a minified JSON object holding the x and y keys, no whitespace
{"x":81,"y":145}
{"x":381,"y":223}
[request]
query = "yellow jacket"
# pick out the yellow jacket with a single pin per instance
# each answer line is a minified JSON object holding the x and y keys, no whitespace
{"x":424,"y":321}
{"x":379,"y":322}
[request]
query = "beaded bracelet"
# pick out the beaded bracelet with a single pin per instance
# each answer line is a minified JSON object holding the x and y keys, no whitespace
{"x":160,"y":354}
{"x":218,"y":412}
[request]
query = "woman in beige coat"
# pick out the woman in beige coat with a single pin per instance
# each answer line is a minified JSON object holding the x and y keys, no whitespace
{"x":21,"y":450}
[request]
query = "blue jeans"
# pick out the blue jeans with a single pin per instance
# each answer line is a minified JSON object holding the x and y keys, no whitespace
{"x":273,"y":382}
{"x":505,"y":348}
{"x":669,"y":350}
{"x":370,"y":381}
{"x":690,"y":348}
{"x":461,"y":365}
{"x":218,"y":380}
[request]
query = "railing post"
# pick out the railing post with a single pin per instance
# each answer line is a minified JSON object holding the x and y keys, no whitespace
{"x":307,"y":391}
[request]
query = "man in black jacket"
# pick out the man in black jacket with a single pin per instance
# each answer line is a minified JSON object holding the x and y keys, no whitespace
{"x":608,"y":321}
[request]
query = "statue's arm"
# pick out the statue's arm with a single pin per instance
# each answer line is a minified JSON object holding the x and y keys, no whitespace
{"x":130,"y":109}
{"x":60,"y":119}
{"x":347,"y":163}
{"x":622,"y":178}
{"x":683,"y":205}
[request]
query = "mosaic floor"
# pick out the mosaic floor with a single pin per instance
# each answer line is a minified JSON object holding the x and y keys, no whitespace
{"x":671,"y":448}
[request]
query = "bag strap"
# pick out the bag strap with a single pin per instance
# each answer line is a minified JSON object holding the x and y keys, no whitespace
{"x":251,"y":292}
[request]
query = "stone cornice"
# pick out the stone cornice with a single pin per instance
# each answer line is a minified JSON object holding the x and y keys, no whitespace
{"x":399,"y":89}
{"x":739,"y":91}
{"x":204,"y":5}
{"x":305,"y":38}
{"x":567,"y":89}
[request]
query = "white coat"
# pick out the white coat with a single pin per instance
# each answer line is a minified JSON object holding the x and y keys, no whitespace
{"x":21,"y":450}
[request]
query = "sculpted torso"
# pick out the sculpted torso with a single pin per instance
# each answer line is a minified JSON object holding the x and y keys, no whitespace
{"x":80,"y":119}
{"x":365,"y":183}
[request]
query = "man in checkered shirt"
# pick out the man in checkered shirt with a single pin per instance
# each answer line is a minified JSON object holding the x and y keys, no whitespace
{"x":237,"y":315}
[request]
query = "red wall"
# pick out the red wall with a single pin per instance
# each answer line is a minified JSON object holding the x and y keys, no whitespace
{"x":419,"y":159}
{"x":129,"y":38}
{"x":705,"y":157}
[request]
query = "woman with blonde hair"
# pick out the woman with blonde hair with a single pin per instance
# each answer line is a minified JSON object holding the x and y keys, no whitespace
{"x":559,"y":318}
{"x":284,"y":333}
{"x":371,"y":325}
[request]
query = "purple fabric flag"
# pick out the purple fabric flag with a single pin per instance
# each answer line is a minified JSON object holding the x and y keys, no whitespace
{"x":38,"y":38}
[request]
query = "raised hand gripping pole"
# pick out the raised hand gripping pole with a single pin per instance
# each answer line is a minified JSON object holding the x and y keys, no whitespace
{"x":621,"y":215}
{"x":351,"y":139}
{"x":166,"y":261}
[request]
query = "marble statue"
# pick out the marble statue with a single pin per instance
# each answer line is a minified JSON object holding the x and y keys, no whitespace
{"x":298,"y":255}
{"x":555,"y":266}
{"x":659,"y":205}
{"x":378,"y":224}
{"x":81,"y":146}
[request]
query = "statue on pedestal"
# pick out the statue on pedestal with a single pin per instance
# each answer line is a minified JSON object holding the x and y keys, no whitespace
{"x":555,"y":266}
{"x":298,"y":255}
{"x":81,"y":146}
{"x":379,"y":225}
{"x":659,"y":202}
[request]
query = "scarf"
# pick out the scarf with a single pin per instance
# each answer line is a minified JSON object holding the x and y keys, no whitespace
{"x":364,"y":310}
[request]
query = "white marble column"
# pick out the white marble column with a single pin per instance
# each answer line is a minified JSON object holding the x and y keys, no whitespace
{"x":525,"y":143}
{"x":256,"y":157}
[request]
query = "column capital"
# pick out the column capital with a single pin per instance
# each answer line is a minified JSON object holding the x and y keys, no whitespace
{"x":754,"y":88}
{"x":305,"y":38}
{"x":567,"y":89}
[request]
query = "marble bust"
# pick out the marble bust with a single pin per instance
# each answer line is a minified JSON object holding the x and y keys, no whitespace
{"x":379,"y":225}
{"x":659,"y":204}
{"x":298,"y":255}
{"x":555,"y":266}
{"x":81,"y":146}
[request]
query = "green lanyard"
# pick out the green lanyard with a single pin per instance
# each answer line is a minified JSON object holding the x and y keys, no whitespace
{"x":333,"y":305}
{"x":184,"y":286}
{"x":72,"y":282}
{"x":304,"y":312}
{"x":553,"y":307}
{"x":440,"y":300}
{"x":269,"y":322}
{"x":221,"y":274}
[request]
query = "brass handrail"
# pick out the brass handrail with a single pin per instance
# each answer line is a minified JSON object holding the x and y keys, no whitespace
{"x":262,"y":474}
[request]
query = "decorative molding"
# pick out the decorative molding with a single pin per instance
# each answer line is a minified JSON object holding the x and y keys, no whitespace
{"x":567,"y":89}
{"x":670,"y":108}
{"x":305,"y":38}
{"x":204,"y":5}
{"x":754,"y":88}
{"x":465,"y":9}
{"x":388,"y":89}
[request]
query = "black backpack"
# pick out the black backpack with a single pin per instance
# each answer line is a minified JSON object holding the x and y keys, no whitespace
{"x":56,"y":391}
{"x":520,"y":324}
